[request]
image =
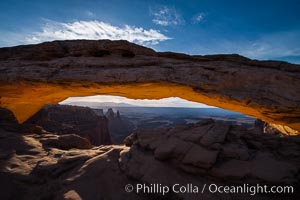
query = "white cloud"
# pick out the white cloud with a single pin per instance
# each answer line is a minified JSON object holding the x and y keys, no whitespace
{"x":95,"y":30}
{"x":199,"y":17}
{"x":166,"y":16}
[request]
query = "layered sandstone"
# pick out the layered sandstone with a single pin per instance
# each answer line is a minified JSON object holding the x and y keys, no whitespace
{"x":68,"y":120}
{"x":34,"y":75}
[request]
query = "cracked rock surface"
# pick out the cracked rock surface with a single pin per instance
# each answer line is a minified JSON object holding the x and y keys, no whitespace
{"x":35,"y":165}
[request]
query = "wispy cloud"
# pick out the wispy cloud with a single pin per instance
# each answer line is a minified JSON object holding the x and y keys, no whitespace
{"x":199,"y":17}
{"x":90,"y":14}
{"x":95,"y":30}
{"x":166,"y":16}
{"x":279,"y":46}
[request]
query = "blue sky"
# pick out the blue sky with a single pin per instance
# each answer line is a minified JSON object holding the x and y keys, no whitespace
{"x":268,"y":29}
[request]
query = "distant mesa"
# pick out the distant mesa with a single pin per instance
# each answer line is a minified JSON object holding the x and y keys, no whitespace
{"x":100,"y":104}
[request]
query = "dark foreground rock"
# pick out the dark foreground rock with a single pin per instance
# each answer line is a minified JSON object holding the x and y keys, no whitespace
{"x":40,"y":166}
{"x":230,"y":153}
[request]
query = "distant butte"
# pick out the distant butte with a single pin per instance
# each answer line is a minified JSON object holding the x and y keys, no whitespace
{"x":34,"y":75}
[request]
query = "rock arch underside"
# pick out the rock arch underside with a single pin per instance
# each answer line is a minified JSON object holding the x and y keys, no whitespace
{"x":34,"y":75}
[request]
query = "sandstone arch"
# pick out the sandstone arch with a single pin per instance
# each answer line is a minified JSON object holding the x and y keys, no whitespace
{"x":34,"y":75}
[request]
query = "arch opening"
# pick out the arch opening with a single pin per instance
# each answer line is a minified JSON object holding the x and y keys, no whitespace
{"x":126,"y":115}
{"x":24,"y":99}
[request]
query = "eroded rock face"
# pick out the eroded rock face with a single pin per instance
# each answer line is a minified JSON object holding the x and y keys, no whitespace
{"x":119,"y":126}
{"x":53,"y":71}
{"x":40,"y":166}
{"x":66,"y":119}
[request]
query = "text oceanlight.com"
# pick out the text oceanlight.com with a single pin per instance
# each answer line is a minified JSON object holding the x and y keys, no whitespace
{"x":211,"y":188}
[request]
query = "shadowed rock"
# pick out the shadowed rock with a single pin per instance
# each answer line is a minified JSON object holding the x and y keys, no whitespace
{"x":119,"y":126}
{"x":67,"y":142}
{"x":49,"y":166}
{"x":65,"y":119}
{"x":53,"y":71}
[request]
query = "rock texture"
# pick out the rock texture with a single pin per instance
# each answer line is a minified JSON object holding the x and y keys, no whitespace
{"x":230,"y":153}
{"x":52,"y":71}
{"x":66,"y":120}
{"x":35,"y":165}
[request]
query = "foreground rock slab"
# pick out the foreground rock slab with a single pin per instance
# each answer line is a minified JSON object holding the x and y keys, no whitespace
{"x":35,"y":165}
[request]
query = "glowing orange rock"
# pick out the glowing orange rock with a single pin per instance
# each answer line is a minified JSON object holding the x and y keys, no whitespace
{"x":34,"y":75}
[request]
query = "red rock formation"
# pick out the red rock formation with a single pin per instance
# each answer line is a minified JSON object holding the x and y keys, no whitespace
{"x":36,"y":164}
{"x":119,"y":127}
{"x":65,"y":119}
{"x":53,"y":71}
